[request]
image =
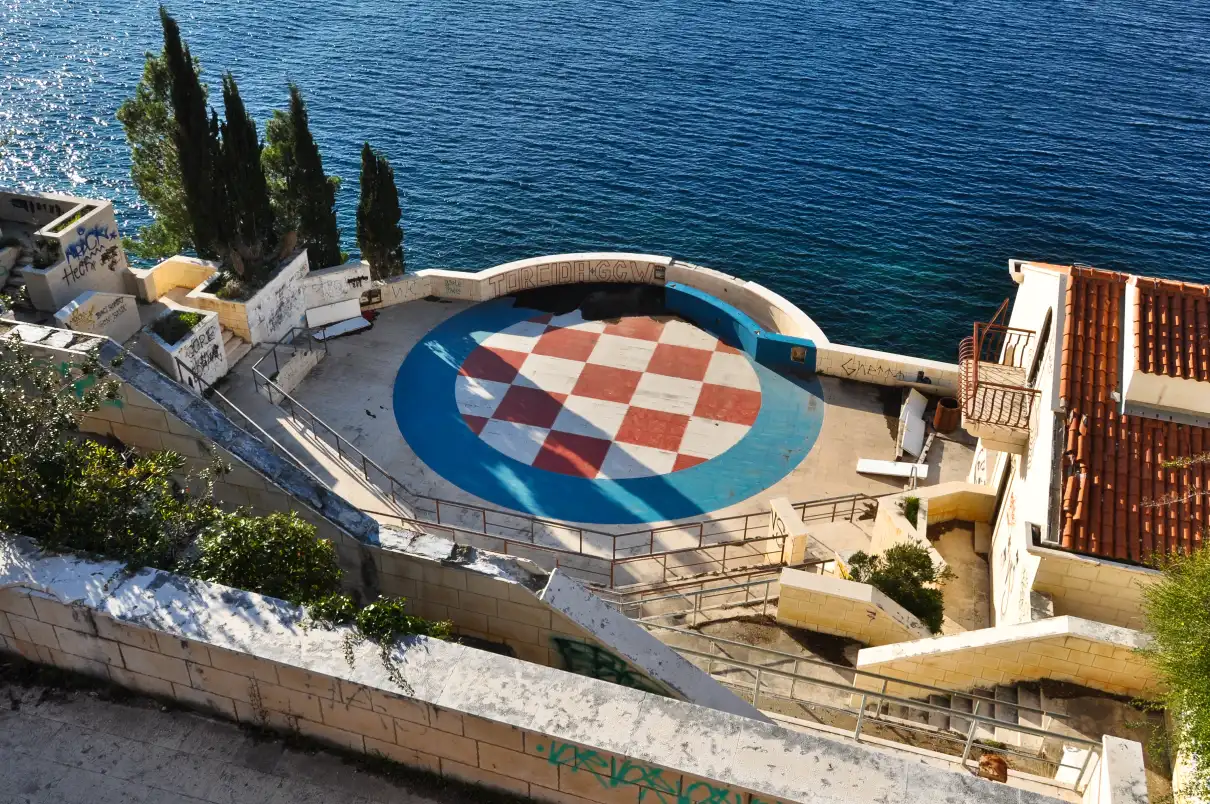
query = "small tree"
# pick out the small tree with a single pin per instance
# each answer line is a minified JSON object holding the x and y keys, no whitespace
{"x":195,"y":136}
{"x":1177,"y":611}
{"x":251,"y":237}
{"x":304,"y":198}
{"x":378,"y":215}
{"x":155,"y":164}
{"x":905,"y":573}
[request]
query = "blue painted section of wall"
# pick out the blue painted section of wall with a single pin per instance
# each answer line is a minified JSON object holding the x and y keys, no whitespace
{"x":736,"y":328}
{"x":789,"y":422}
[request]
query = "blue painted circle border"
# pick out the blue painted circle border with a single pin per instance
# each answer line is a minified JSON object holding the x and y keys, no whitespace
{"x":426,"y":411}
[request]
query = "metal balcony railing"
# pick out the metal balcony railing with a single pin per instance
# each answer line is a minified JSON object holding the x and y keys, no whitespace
{"x":993,"y":376}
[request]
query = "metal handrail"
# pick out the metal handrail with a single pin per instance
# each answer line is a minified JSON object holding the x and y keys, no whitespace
{"x":999,"y":404}
{"x":287,"y":340}
{"x":880,"y":697}
{"x":400,"y":494}
{"x":783,"y":656}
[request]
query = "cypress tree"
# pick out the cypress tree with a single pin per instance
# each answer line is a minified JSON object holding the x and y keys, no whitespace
{"x":197,"y":147}
{"x":250,"y":224}
{"x":378,"y":231}
{"x":314,"y":192}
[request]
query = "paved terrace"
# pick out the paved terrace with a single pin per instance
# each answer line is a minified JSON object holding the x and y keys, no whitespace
{"x":617,"y":424}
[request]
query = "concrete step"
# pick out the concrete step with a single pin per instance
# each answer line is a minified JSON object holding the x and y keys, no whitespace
{"x":939,"y":720}
{"x":1006,"y":699}
{"x":1030,"y":696}
{"x":236,"y":353}
{"x":985,"y":709}
{"x":960,"y":704}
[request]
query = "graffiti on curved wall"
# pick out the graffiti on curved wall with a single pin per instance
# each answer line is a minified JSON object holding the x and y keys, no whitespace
{"x":586,"y":659}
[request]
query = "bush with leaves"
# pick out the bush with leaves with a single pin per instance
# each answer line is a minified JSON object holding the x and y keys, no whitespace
{"x":80,"y":496}
{"x":906,"y":574}
{"x":1177,"y":611}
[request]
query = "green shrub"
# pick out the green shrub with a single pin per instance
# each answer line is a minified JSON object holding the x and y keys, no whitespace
{"x":910,"y":508}
{"x":176,"y":324}
{"x":277,"y":555}
{"x":903,"y":573}
{"x":1177,"y":611}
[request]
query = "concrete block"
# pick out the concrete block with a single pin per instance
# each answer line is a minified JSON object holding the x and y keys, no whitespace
{"x":145,"y":418}
{"x":206,"y":701}
{"x":221,"y":682}
{"x":357,"y":720}
{"x":445,"y":720}
{"x":76,"y":664}
{"x":488,"y":586}
{"x":585,"y":784}
{"x":53,"y":612}
{"x":88,"y":647}
{"x":485,"y":778}
{"x":147,"y":440}
{"x":242,"y":664}
{"x":316,"y":684}
{"x":436,"y":742}
{"x":183,"y":649}
{"x":539,"y":617}
{"x":34,"y":632}
{"x":404,"y":756}
{"x":499,"y":734}
{"x":290,"y":702}
{"x":398,"y":707}
{"x":156,"y":687}
{"x":512,"y":630}
{"x":478,"y":603}
{"x":113,"y":630}
{"x":330,"y":735}
{"x":517,"y":765}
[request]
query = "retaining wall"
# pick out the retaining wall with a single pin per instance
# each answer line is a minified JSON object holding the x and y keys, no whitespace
{"x":1059,"y":648}
{"x":844,"y":608}
{"x":450,"y":709}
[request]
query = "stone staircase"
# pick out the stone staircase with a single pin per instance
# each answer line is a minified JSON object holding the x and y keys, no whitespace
{"x":1013,"y":705}
{"x":235,"y":346}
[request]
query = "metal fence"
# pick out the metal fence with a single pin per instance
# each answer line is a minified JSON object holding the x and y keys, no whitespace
{"x":862,"y":703}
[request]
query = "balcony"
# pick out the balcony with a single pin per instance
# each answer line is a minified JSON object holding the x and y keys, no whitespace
{"x":997,"y":403}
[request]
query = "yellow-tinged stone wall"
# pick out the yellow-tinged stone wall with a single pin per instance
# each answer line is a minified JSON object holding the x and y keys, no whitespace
{"x":1096,"y":590}
{"x":844,"y":608}
{"x":370,"y":720}
{"x":1114,"y":668}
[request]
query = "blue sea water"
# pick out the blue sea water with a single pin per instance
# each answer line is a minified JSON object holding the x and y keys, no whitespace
{"x":875,"y":162}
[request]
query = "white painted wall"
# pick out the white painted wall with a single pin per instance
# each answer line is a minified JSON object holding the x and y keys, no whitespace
{"x":92,"y":259}
{"x":114,"y":315}
{"x":337,"y":284}
{"x":201,"y":351}
{"x":1027,"y":499}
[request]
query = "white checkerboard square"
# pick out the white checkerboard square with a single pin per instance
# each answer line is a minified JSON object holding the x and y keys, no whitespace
{"x":631,"y":460}
{"x":596,"y":418}
{"x":478,"y":397}
{"x":681,"y":333}
{"x":706,"y":438}
{"x":555,"y":375}
{"x":624,"y":353}
{"x":733,"y":371}
{"x":667,"y":394}
{"x":520,"y":442}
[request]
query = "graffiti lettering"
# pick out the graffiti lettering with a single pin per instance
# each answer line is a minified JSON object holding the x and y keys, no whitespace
{"x":80,"y":385}
{"x":96,"y":247}
{"x":590,"y":660}
{"x":566,"y":273}
{"x":655,"y":784}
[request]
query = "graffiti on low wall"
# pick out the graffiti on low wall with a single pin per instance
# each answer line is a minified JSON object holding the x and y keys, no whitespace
{"x":566,"y":273}
{"x":590,"y":660}
{"x":655,"y":784}
{"x":96,"y":247}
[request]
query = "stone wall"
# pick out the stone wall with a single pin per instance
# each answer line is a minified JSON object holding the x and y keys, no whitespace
{"x":1083,"y":586}
{"x":1071,"y":649}
{"x":885,"y":368}
{"x":446,"y":708}
{"x":844,"y":608}
{"x":174,"y":272}
{"x":270,"y":313}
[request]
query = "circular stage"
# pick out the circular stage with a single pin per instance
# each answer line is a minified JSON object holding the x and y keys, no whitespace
{"x":621,"y":421}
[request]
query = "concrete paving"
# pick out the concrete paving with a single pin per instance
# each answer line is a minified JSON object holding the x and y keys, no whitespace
{"x":62,"y":747}
{"x":352,"y":391}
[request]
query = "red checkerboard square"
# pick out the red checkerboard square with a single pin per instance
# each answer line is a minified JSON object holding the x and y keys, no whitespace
{"x":476,"y":423}
{"x":679,"y":361}
{"x":606,"y":382}
{"x":725,"y":404}
{"x":729,"y":350}
{"x":572,"y":454}
{"x":643,"y":328}
{"x":652,"y":428}
{"x":529,"y":406}
{"x":487,"y":363}
{"x":569,"y":344}
{"x":685,"y":461}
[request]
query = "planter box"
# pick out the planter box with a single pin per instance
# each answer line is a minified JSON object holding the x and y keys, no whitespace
{"x":201,"y":351}
{"x":268,"y":316}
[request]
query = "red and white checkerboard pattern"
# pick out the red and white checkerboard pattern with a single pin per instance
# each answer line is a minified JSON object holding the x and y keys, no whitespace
{"x":638,"y":397}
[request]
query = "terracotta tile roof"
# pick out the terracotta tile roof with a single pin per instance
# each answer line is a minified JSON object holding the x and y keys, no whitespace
{"x":1111,"y":462}
{"x":1174,"y":329}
